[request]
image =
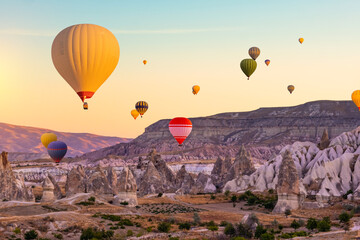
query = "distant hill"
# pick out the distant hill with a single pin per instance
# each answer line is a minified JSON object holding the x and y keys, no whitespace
{"x":264,"y":132}
{"x":24,"y":142}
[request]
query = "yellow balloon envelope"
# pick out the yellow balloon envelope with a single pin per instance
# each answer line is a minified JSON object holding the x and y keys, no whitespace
{"x":355,"y":96}
{"x":301,"y":40}
{"x":135,"y":113}
{"x":195,"y":89}
{"x":47,"y":138}
{"x":144,"y":62}
{"x":85,"y":55}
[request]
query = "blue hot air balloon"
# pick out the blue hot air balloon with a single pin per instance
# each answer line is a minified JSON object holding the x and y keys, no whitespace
{"x":57,"y":150}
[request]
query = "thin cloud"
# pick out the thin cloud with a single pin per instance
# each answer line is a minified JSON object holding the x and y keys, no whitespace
{"x":37,"y":33}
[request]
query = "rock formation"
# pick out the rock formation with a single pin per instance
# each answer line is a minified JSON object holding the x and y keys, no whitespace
{"x":57,"y":189}
{"x":12,"y":186}
{"x":324,"y":142}
{"x":288,"y":187}
{"x":126,"y":188}
{"x":98,"y":183}
{"x":76,"y":181}
{"x":241,"y":166}
{"x":48,"y":191}
{"x":203,"y":184}
{"x":184,"y":181}
{"x":220,"y":170}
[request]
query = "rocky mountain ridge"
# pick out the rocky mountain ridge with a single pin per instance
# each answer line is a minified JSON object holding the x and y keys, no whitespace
{"x":264,"y":132}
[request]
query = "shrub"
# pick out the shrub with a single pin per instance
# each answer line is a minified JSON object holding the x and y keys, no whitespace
{"x":295,"y":225}
{"x":281,"y":227}
{"x":164,"y":227}
{"x":311,"y":224}
{"x":160,"y":195}
{"x":347,"y":193}
{"x":94,"y":233}
{"x":17,"y":230}
{"x":344,"y":217}
{"x":227,"y":192}
{"x":212,"y":197}
{"x":186,"y":226}
{"x":149,"y":229}
{"x":260,"y":230}
{"x":271,"y":191}
{"x":213,"y":228}
{"x":233,"y":198}
{"x":58,"y":236}
{"x":244,"y":231}
{"x":124,"y":203}
{"x":129,"y":233}
{"x":301,"y":223}
{"x":32,"y":234}
{"x":43,"y":228}
{"x":223,"y":223}
{"x":229,"y":230}
{"x":174,"y":238}
{"x":267,"y":236}
{"x":287,"y":212}
{"x":275,"y":223}
{"x":251,"y":200}
{"x":324,"y":225}
{"x":91,"y":199}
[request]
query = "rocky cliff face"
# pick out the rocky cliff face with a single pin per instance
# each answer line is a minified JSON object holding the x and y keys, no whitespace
{"x":126,"y":188}
{"x":326,"y":173}
{"x":264,"y":132}
{"x":12,"y":185}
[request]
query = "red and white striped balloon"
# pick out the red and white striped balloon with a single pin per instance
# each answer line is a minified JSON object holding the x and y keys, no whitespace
{"x":180,"y":128}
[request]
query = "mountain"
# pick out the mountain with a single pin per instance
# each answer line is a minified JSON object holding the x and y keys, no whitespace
{"x":23,"y":143}
{"x":264,"y":132}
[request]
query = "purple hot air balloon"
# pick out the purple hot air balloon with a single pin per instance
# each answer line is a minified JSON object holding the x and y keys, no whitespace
{"x":57,"y":150}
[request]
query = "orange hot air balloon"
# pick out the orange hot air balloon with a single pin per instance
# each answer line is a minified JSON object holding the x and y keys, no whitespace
{"x":291,"y":88}
{"x":355,"y":96}
{"x":135,"y":113}
{"x":195,"y":89}
{"x":267,"y":62}
{"x":85,"y":55}
{"x":301,"y":40}
{"x":144,"y":62}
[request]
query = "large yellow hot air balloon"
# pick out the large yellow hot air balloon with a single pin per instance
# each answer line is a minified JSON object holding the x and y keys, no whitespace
{"x":47,"y":138}
{"x":85,"y":55}
{"x":195,"y":89}
{"x":141,"y":107}
{"x":291,"y":88}
{"x":301,"y":40}
{"x":254,"y":52}
{"x":355,"y":96}
{"x":134,"y":113}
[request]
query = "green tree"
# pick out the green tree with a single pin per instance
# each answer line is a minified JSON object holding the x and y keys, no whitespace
{"x":259,"y":230}
{"x":244,"y":231}
{"x":311,"y":224}
{"x":32,"y":234}
{"x":295,"y":224}
{"x":344,"y":217}
{"x":229,"y":230}
{"x":267,"y":236}
{"x":233,"y":198}
{"x":227,"y":192}
{"x":287,"y":212}
{"x":324,"y":225}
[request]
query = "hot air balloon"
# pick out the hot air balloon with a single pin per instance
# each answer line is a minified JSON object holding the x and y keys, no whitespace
{"x":134,"y":113}
{"x":85,"y":55}
{"x":47,"y":138}
{"x":57,"y":150}
{"x":248,"y":66}
{"x":254,"y":52}
{"x":301,"y":40}
{"x":195,"y":89}
{"x":141,"y":107}
{"x":267,"y":62}
{"x":355,"y":96}
{"x":291,"y":88}
{"x":86,"y":106}
{"x":144,"y":62}
{"x":180,"y":128}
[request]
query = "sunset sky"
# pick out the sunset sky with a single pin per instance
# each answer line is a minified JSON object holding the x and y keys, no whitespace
{"x":185,"y":43}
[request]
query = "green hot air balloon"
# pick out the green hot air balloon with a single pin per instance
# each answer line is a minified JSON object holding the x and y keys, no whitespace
{"x":248,"y":66}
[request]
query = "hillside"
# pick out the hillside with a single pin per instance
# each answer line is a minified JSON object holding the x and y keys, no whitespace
{"x":24,"y":142}
{"x":264,"y":132}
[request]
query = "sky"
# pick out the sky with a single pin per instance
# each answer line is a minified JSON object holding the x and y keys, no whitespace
{"x":185,"y":42}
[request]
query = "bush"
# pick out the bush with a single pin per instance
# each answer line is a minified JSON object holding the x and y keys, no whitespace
{"x":212,"y":197}
{"x":260,"y":230}
{"x":281,"y":227}
{"x":149,"y":229}
{"x":58,"y":236}
{"x":43,"y":228}
{"x":233,"y":198}
{"x":17,"y":230}
{"x":160,"y":194}
{"x":230,"y":230}
{"x":347,"y":193}
{"x":271,"y":191}
{"x":174,"y":238}
{"x":129,"y":233}
{"x":94,"y":233}
{"x":311,"y":224}
{"x":275,"y":223}
{"x":244,"y":231}
{"x":251,"y":200}
{"x":267,"y":236}
{"x":32,"y":234}
{"x":324,"y":225}
{"x":124,"y":203}
{"x":227,"y":192}
{"x":223,"y":223}
{"x":287,"y":212}
{"x":213,"y":228}
{"x":91,"y":199}
{"x":164,"y":227}
{"x":295,"y":225}
{"x":186,"y":226}
{"x":344,"y":217}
